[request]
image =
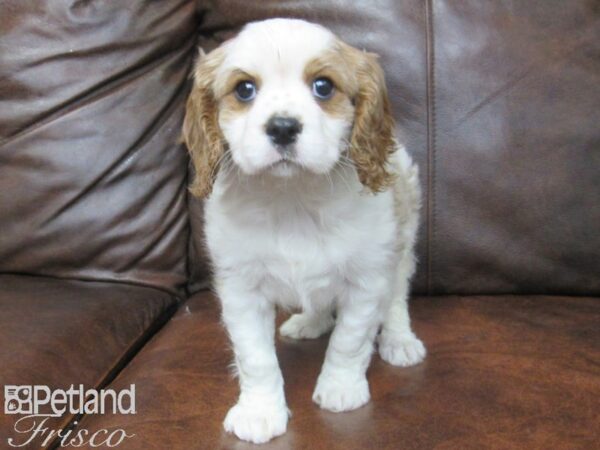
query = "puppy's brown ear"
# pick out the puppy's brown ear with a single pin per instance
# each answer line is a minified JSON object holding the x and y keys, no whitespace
{"x":201,"y":132}
{"x":372,"y":139}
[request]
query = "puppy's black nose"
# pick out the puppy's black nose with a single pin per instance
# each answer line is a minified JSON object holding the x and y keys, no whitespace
{"x":283,"y":130}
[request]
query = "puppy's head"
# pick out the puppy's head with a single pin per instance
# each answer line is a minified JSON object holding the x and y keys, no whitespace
{"x":285,"y":97}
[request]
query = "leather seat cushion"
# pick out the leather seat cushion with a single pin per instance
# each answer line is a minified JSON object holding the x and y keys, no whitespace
{"x":502,"y":372}
{"x":59,"y":332}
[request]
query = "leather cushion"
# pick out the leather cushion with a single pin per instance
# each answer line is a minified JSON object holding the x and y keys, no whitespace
{"x":92,"y":181}
{"x":515,"y":158}
{"x":61,"y":332}
{"x":502,"y":372}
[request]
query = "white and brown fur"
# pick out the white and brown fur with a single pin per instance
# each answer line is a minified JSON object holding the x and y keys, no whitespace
{"x":329,"y":231}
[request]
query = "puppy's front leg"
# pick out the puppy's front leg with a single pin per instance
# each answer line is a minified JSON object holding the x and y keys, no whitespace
{"x":342,"y":384}
{"x":261,"y":412}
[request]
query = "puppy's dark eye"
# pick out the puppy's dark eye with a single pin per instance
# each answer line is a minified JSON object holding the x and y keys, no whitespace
{"x":245,"y":90}
{"x":322,"y":88}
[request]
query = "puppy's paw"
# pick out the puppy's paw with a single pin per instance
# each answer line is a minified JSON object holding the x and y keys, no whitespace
{"x":401,"y":350}
{"x":255,"y":422}
{"x":307,"y":326}
{"x":339,"y":395}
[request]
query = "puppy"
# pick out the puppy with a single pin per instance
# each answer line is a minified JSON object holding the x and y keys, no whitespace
{"x":311,"y":204}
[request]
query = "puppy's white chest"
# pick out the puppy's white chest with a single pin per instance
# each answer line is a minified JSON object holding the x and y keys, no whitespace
{"x":303,"y":266}
{"x":296,"y":252}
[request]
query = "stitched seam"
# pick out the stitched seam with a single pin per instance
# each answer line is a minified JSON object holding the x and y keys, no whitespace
{"x":72,"y":422}
{"x":188,"y":203}
{"x":99,"y":276}
{"x":431,"y":144}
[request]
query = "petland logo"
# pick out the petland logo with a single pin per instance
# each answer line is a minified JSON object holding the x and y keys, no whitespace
{"x":37,"y":404}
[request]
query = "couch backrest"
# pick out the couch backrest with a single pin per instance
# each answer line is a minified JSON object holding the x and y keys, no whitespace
{"x":514,"y":136}
{"x":497,"y":102}
{"x":92,"y":180}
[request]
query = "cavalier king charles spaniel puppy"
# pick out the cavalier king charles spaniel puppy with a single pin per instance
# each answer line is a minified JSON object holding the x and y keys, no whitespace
{"x":311,"y":204}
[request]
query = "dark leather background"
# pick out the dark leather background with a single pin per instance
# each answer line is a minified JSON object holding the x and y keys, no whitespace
{"x":515,"y":152}
{"x":497,"y":102}
{"x":58,"y":333}
{"x":92,"y":182}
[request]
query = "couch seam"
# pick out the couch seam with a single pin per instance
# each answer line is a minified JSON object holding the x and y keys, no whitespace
{"x":99,"y":279}
{"x":190,"y":248}
{"x":431,"y":141}
{"x":122,"y":362}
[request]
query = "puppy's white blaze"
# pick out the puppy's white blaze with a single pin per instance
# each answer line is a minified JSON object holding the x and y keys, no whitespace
{"x":308,"y":238}
{"x":279,"y":47}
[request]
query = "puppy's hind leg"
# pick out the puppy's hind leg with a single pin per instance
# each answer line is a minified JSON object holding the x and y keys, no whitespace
{"x":398,"y":345}
{"x":308,"y":324}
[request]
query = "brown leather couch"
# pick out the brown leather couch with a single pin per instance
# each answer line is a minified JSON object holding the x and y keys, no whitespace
{"x":103,"y":278}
